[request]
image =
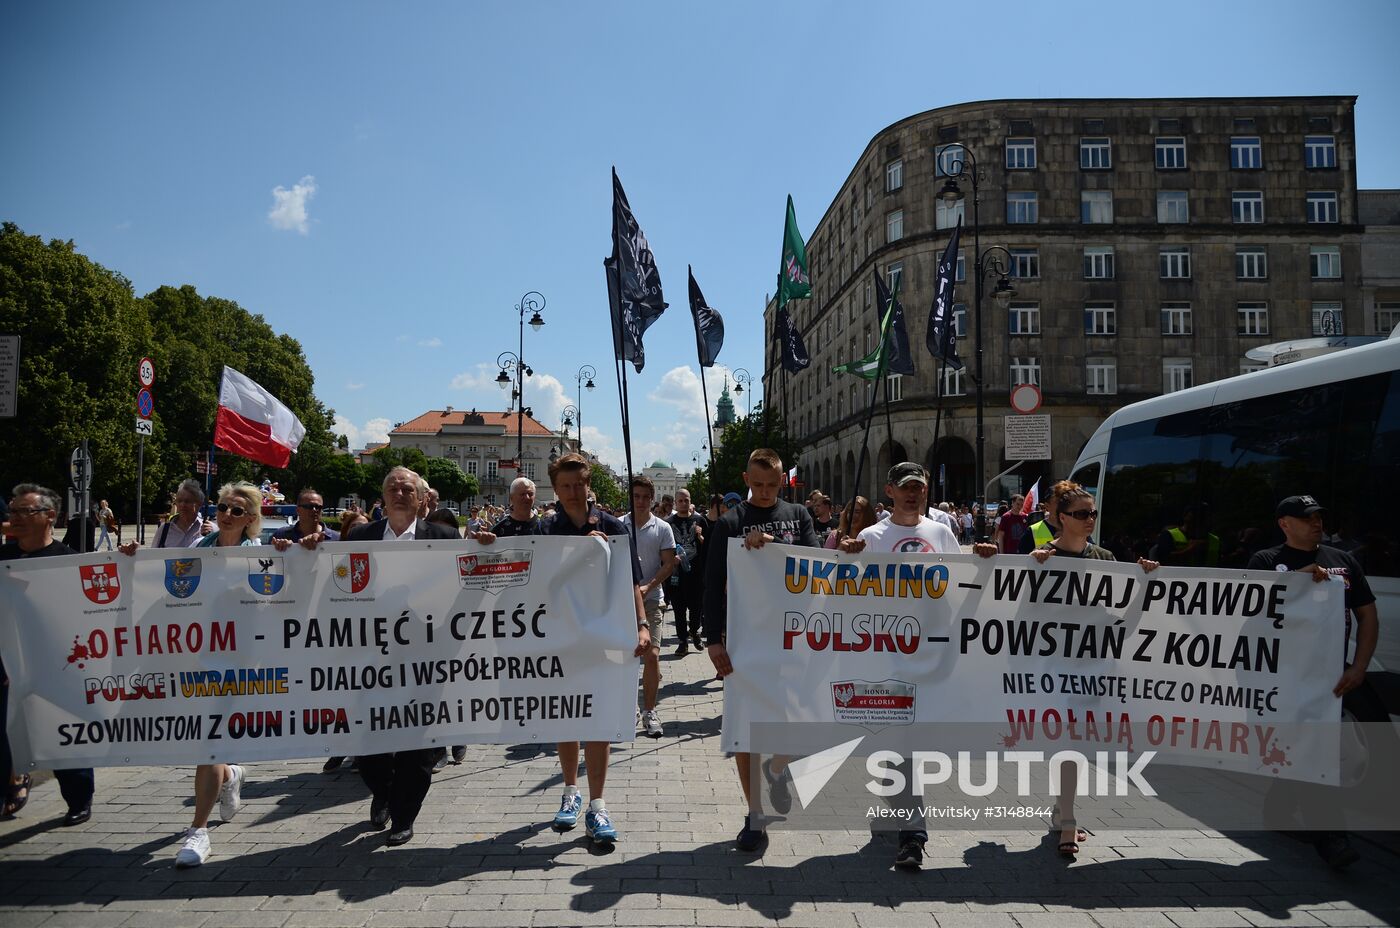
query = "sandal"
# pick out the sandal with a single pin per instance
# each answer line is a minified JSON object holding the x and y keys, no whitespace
{"x":14,"y":801}
{"x":1068,"y":848}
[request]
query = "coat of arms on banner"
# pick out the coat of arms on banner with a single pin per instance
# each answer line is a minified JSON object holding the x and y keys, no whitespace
{"x":861,"y":702}
{"x":100,"y":583}
{"x":351,"y":572}
{"x":182,"y":576}
{"x":494,"y":571}
{"x":265,"y":575}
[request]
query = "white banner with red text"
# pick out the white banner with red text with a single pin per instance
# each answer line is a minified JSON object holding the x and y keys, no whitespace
{"x":1232,"y":670}
{"x":227,"y":654}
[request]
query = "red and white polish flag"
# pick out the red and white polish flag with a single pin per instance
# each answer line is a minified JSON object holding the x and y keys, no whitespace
{"x":253,"y":423}
{"x":1032,"y":499}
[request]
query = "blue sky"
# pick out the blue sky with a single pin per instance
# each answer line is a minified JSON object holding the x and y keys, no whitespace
{"x":384,"y":181}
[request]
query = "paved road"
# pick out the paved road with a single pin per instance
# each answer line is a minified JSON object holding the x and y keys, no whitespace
{"x":300,"y":854}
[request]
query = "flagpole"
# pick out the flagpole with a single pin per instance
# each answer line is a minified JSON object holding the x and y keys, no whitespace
{"x":704,"y":392}
{"x":938,"y":369}
{"x":870,"y":413}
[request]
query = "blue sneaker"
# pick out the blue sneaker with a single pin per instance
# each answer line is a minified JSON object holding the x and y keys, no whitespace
{"x":599,"y":826}
{"x":567,"y":816}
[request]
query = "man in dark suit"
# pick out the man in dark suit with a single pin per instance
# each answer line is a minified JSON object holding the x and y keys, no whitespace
{"x":398,"y":781}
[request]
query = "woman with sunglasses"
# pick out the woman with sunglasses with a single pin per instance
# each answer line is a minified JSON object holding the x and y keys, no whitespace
{"x":239,"y":520}
{"x":1073,"y":508}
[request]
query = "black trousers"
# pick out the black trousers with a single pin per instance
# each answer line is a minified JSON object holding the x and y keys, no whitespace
{"x":77,"y":784}
{"x":686,"y":597}
{"x":402,"y":779}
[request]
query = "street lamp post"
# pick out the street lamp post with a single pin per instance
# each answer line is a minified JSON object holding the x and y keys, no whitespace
{"x":532,"y":302}
{"x":585,"y":373}
{"x":987,"y":262}
{"x":742,"y":377}
{"x":566,"y":419}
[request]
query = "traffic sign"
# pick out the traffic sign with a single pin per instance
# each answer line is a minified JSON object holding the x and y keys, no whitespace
{"x":145,"y":403}
{"x":1025,"y":398}
{"x":80,"y":469}
{"x":143,"y":426}
{"x":146,"y":372}
{"x":1027,"y":438}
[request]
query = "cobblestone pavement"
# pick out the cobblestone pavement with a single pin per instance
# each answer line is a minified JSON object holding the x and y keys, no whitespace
{"x":301,"y":854}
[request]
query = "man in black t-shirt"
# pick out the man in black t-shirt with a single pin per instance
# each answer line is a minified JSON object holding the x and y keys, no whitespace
{"x":824,"y":521}
{"x":761,"y":519}
{"x":686,"y":586}
{"x":520,"y":517}
{"x":1300,"y":518}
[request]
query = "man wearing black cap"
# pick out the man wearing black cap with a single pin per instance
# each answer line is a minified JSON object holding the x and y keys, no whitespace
{"x":1300,"y":518}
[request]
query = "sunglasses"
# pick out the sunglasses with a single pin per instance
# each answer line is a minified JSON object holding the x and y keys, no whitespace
{"x":312,"y":506}
{"x":238,"y":511}
{"x":1083,"y":515}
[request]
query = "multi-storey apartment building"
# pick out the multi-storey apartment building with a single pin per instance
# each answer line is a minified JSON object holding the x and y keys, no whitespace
{"x":1149,"y":242}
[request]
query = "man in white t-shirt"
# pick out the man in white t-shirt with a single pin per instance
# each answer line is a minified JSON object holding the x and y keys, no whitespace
{"x":909,"y":530}
{"x":943,"y":513}
{"x":656,"y":550}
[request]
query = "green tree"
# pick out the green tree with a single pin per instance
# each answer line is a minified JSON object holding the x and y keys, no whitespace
{"x":605,"y":489}
{"x":445,"y":476}
{"x":386,"y":459}
{"x":341,"y":476}
{"x":763,"y":429}
{"x":699,"y":487}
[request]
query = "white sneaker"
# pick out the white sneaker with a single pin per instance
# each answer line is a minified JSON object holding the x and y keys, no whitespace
{"x":651,"y":723}
{"x":230,"y":798}
{"x":195,"y":850}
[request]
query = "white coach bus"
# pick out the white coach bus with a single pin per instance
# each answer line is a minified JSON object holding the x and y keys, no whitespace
{"x":1328,"y":426}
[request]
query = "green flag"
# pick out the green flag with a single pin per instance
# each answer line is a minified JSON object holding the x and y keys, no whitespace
{"x":793,"y":280}
{"x":872,"y":365}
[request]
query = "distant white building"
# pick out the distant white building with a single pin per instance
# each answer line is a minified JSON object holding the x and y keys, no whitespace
{"x":665,"y":478}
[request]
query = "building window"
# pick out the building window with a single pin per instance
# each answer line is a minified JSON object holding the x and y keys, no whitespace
{"x":894,"y":175}
{"x":529,"y":470}
{"x":1025,"y":370}
{"x":1024,"y":318}
{"x":1246,"y":153}
{"x":1247,"y":205}
{"x":1095,"y":154}
{"x":947,"y":217}
{"x":1101,"y":376}
{"x":1095,"y":206}
{"x":1319,"y":151}
{"x":1252,"y":318}
{"x":1176,"y":374}
{"x":895,"y":384}
{"x":894,"y":276}
{"x":1176,"y":318}
{"x":1025,"y":263}
{"x":1322,"y":206}
{"x":1387,"y":317}
{"x":471,"y":449}
{"x":953,"y":383}
{"x":1171,"y":153}
{"x":1325,"y":261}
{"x":1251,"y":262}
{"x":1100,"y":319}
{"x":960,"y":320}
{"x":1022,"y":208}
{"x":1172,"y":206}
{"x":491,"y":470}
{"x":960,"y":268}
{"x":1098,"y":262}
{"x":894,"y":226}
{"x":472,"y":467}
{"x":1327,"y":319}
{"x":948,"y":160}
{"x":1020,"y":154}
{"x":1174,"y":263}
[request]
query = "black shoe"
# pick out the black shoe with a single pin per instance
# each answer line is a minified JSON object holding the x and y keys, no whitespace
{"x":695,"y":640}
{"x":911,"y":855}
{"x":459,"y":752}
{"x":78,"y":816}
{"x":750,"y":839}
{"x":1336,"y":850}
{"x":778,"y":793}
{"x":332,"y":764}
{"x":400,"y":836}
{"x":378,"y":812}
{"x":683,"y":650}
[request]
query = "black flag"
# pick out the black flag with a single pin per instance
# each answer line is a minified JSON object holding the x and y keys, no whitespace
{"x":794,"y":352}
{"x":898,"y":358}
{"x":634,"y":285}
{"x":942,"y":332}
{"x":709,"y":325}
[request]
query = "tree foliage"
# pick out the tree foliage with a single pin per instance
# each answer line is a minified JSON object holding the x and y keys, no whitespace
{"x":605,"y":489}
{"x":82,"y":333}
{"x":763,"y":429}
{"x":447,"y":477}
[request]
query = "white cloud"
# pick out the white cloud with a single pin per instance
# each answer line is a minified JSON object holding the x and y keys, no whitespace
{"x":354,"y":386}
{"x":374,"y":430}
{"x":680,"y":387}
{"x":289,"y":206}
{"x":483,"y":376}
{"x":433,"y":342}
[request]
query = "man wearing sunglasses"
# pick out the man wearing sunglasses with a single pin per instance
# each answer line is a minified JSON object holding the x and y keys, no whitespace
{"x":307,"y":525}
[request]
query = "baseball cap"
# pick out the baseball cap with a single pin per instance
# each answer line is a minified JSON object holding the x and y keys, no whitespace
{"x":907,"y":472}
{"x":732,"y":499}
{"x":1298,"y":506}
